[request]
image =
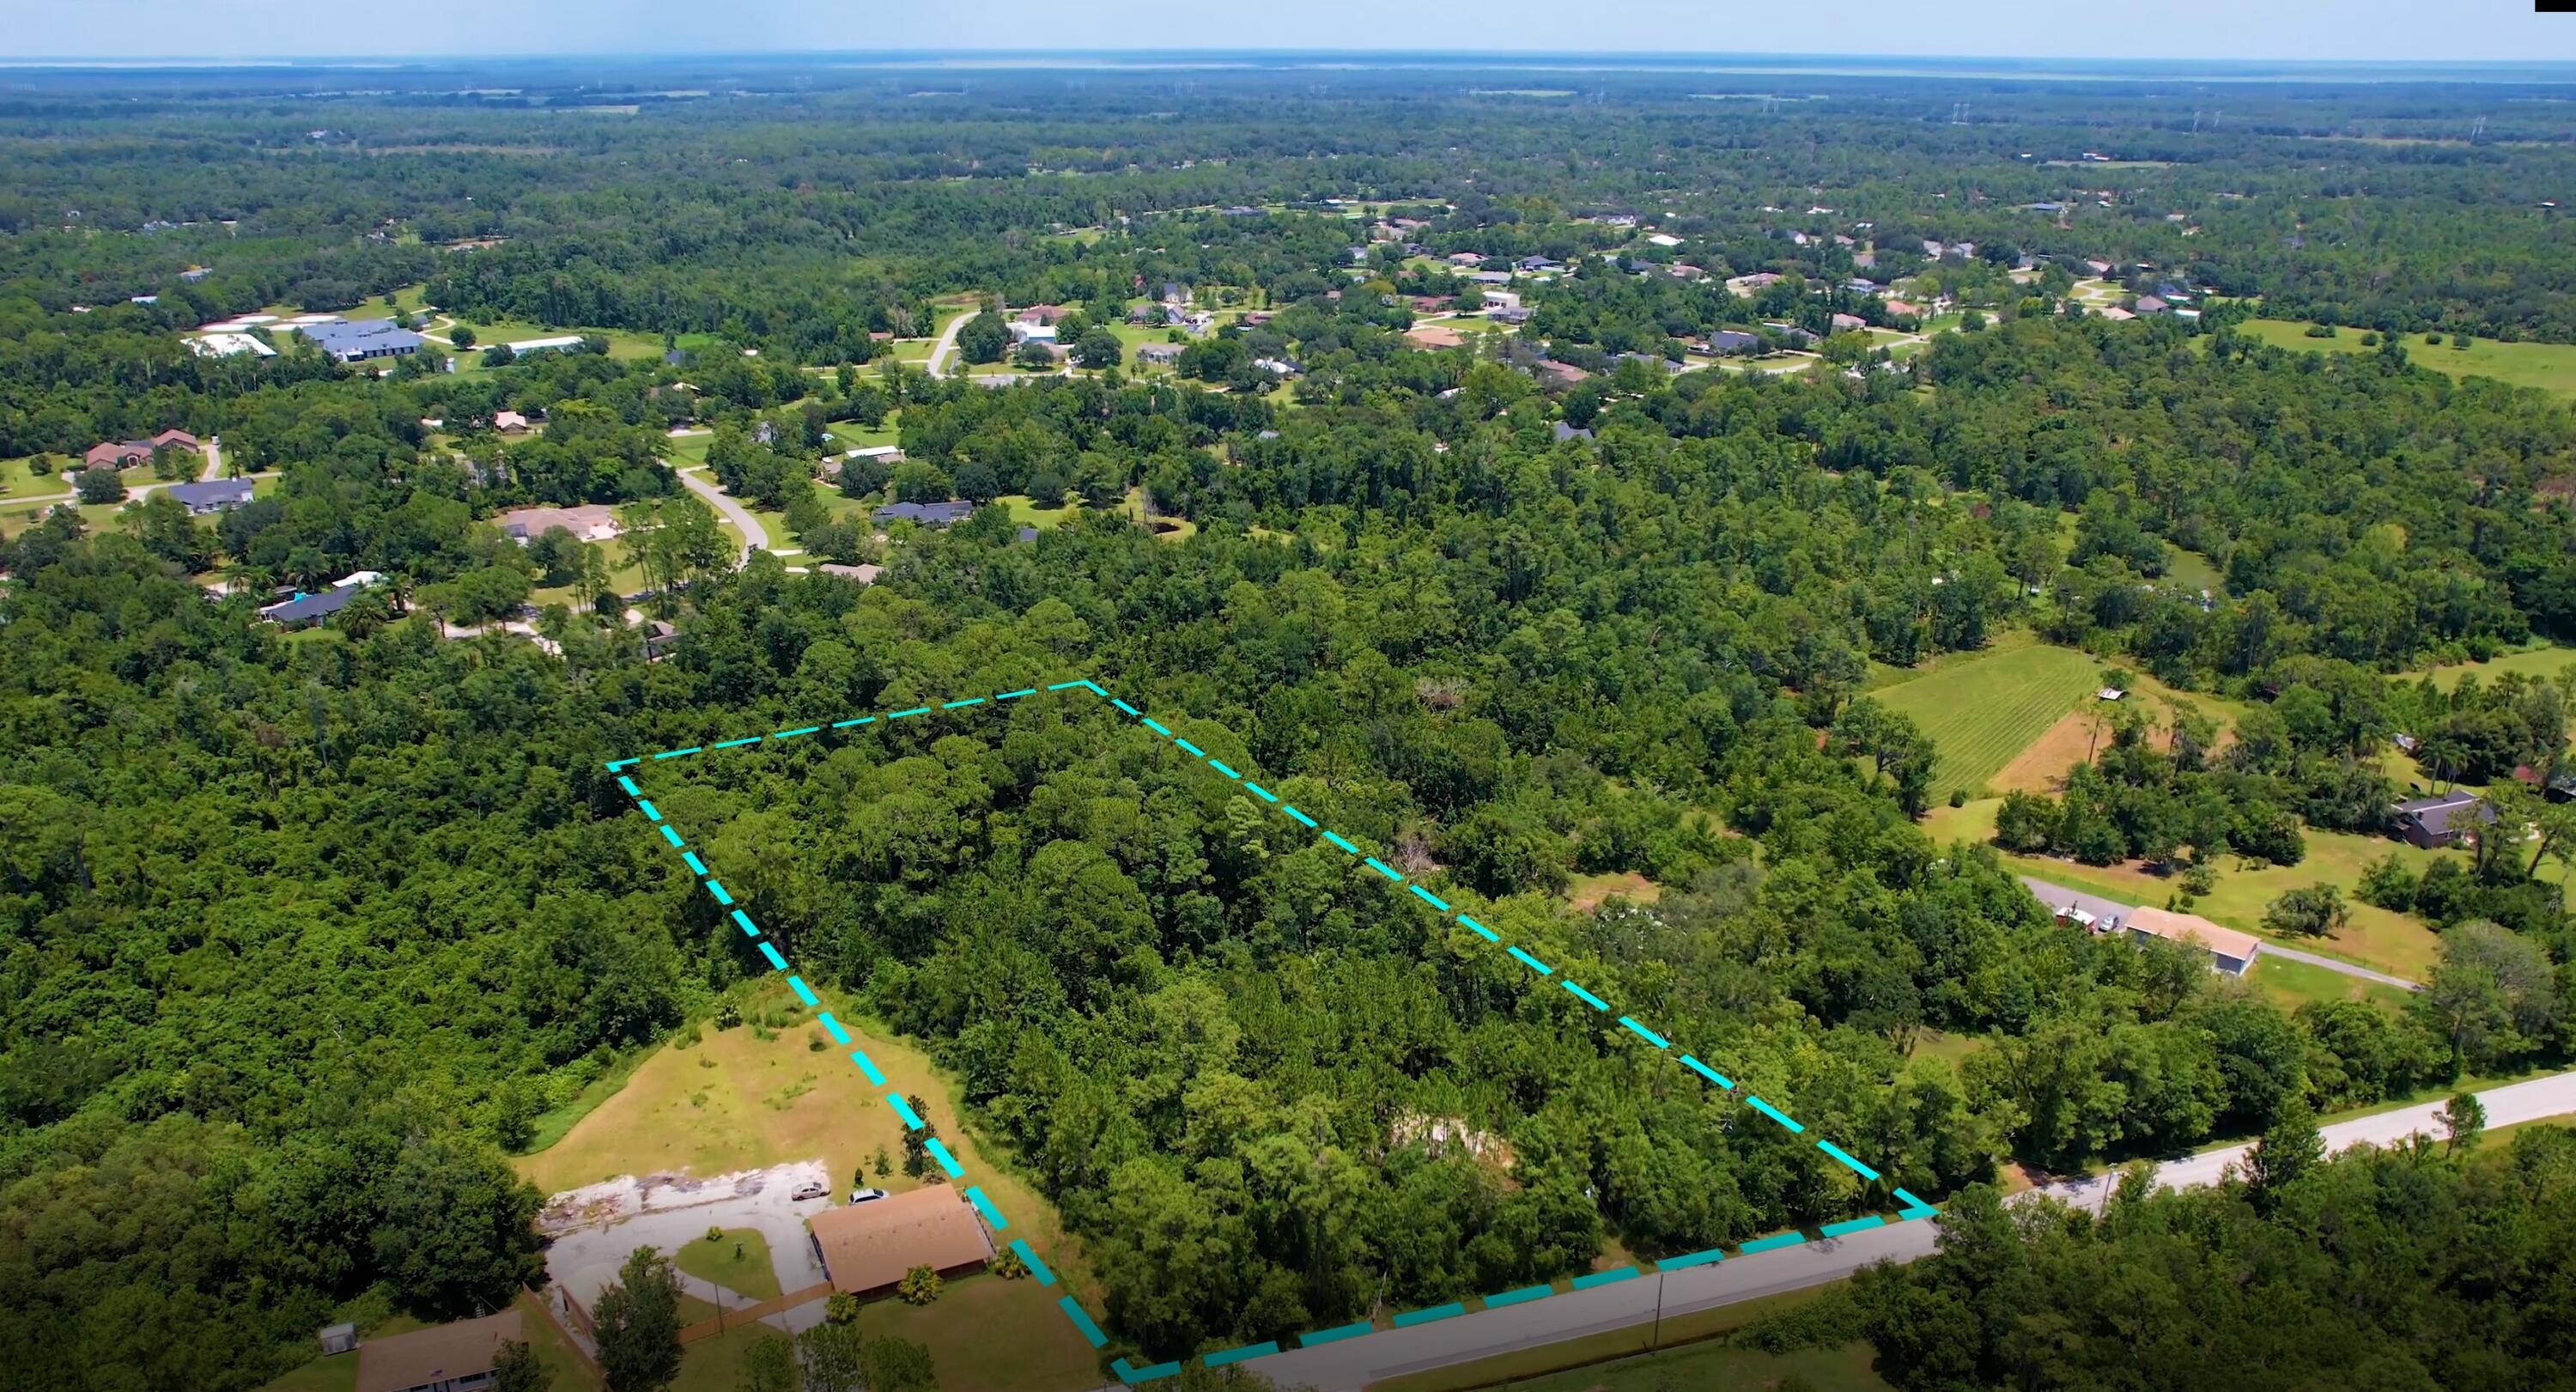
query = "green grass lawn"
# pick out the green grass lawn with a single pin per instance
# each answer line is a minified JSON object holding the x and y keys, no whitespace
{"x":2396,"y":943}
{"x":2295,"y":984}
{"x":737,"y":1260}
{"x":2551,"y":367}
{"x":1026,"y":513}
{"x":2546,"y":660}
{"x":2190,"y":568}
{"x":1980,"y":709}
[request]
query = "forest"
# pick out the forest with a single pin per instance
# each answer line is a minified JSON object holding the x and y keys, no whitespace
{"x":307,"y":933}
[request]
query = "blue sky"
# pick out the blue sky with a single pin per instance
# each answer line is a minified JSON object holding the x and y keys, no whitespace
{"x":2315,"y":29}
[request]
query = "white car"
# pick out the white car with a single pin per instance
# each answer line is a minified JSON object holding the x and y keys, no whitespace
{"x":811,"y":1189}
{"x":866,"y":1195}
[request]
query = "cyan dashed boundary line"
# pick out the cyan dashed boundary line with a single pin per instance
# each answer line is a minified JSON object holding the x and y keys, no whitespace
{"x":1073,"y":1311}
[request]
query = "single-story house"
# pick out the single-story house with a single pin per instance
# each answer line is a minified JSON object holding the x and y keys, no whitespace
{"x":1904,"y":307}
{"x":1043,"y":313}
{"x":863,"y":574}
{"x":1434,"y":336}
{"x":509,"y":422}
{"x":2230,"y":951}
{"x":2150,"y":304}
{"x":586,"y":521}
{"x":1665,"y":239}
{"x":1562,"y":373}
{"x":1747,"y":284}
{"x":1734,"y":341}
{"x":1539,"y":263}
{"x":1502,"y":299}
{"x":117,"y":454}
{"x":1509,"y":314}
{"x":1030,"y":331}
{"x":455,"y":1357}
{"x":1566,"y":432}
{"x":925,"y":514}
{"x":360,"y":341}
{"x":866,"y":1248}
{"x":177,"y":439}
{"x":1158,"y":354}
{"x":309,"y":608}
{"x":659,"y":639}
{"x":1490,"y":277}
{"x":2447,"y":820}
{"x":1847,"y":323}
{"x":1466,"y":258}
{"x":222,"y":495}
{"x":2114,"y":312}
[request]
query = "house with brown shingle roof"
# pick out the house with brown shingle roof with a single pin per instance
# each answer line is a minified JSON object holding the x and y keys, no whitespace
{"x":866,"y":1248}
{"x":442,"y":1358}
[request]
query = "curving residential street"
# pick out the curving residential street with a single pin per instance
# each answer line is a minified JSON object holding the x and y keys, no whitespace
{"x":755,"y":537}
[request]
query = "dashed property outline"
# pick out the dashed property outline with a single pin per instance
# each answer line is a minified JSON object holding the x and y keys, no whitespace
{"x":1081,"y":1319}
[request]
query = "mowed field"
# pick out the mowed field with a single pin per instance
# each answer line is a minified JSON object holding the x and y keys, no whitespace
{"x":2549,"y":366}
{"x":1982,"y":709}
{"x":732,"y":1100}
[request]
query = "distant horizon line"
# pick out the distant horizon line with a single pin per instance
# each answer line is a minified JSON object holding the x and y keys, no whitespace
{"x":1517,"y":58}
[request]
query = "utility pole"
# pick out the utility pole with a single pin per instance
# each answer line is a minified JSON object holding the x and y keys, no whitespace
{"x":1655,"y":1336}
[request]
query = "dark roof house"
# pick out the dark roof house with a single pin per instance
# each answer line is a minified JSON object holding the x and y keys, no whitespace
{"x":1733,"y":341}
{"x":2447,"y":820}
{"x":310,"y":608}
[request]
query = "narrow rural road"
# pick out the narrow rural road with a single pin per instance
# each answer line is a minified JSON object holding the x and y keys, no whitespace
{"x":1353,"y":1364}
{"x":2057,"y":895}
{"x":947,"y":343}
{"x":214,"y":470}
{"x":755,"y":537}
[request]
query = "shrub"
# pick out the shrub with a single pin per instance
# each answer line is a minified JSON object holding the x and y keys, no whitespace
{"x":1958,"y":797}
{"x":2199,"y":880}
{"x":2370,"y":340}
{"x":2432,"y":340}
{"x":1008,"y":1265}
{"x":728,"y":1015}
{"x":715,"y":1234}
{"x":2312,"y":912}
{"x":2387,"y":883}
{"x":2320,"y":331}
{"x":919,"y":1286}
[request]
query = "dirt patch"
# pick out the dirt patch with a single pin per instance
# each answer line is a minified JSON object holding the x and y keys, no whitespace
{"x":2042,"y":765}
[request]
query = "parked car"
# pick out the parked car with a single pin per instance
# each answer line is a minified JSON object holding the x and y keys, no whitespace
{"x":811,"y":1189}
{"x":866,"y":1195}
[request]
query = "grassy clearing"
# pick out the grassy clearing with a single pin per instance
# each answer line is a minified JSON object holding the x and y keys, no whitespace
{"x":1982,"y":709}
{"x":2397,"y":943}
{"x":2295,"y":984}
{"x":1026,"y":513}
{"x":1579,"y":1365}
{"x":738,"y":1260}
{"x":2503,"y":1135}
{"x":1587,"y":892}
{"x":2546,"y":660}
{"x":2551,"y":367}
{"x":733,"y":1100}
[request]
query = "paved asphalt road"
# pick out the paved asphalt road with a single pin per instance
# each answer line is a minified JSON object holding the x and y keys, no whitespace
{"x":2055,"y":896}
{"x":1353,"y":1364}
{"x":755,"y":537}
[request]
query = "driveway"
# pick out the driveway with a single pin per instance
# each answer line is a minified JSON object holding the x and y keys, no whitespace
{"x":584,"y":1260}
{"x":755,"y":537}
{"x":947,"y":343}
{"x":2111,"y":911}
{"x":1352,"y":1364}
